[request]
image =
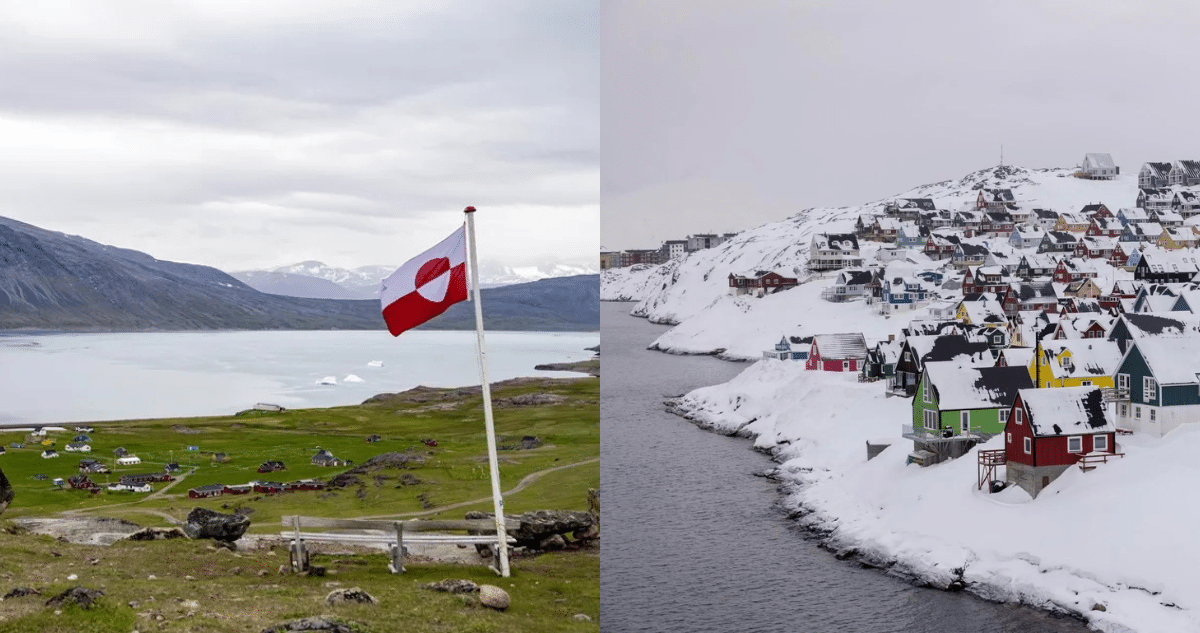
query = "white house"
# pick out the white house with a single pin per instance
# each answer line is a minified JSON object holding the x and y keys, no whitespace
{"x":833,"y":251}
{"x":1100,"y":167}
{"x":129,"y":460}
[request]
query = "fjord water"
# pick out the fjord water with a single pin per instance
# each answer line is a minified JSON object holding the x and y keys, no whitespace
{"x":693,"y":541}
{"x":93,"y":377}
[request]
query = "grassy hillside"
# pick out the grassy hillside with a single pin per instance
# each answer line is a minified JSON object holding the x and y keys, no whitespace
{"x":547,"y":590}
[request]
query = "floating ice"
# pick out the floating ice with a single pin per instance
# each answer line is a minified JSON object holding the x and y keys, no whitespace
{"x":352,"y":378}
{"x":375,"y":363}
{"x":328,"y":380}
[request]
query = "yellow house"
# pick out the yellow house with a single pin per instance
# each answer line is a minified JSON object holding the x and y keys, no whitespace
{"x":1174,"y":239}
{"x":1073,"y":222}
{"x":1075,"y":363}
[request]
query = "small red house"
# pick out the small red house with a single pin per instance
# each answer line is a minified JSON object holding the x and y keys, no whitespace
{"x":211,"y":490}
{"x":837,"y":352}
{"x":1050,"y":430}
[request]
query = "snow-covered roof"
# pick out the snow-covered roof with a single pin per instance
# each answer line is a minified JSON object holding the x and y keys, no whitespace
{"x":954,"y":348}
{"x":836,"y":241}
{"x":985,"y":312}
{"x":1061,"y":237}
{"x":1098,"y":161}
{"x":1066,"y":411}
{"x":841,"y":346}
{"x":1089,"y":357}
{"x":1134,"y":214}
{"x":1159,"y":170}
{"x":976,"y":387}
{"x":1017,"y":356}
{"x":1173,"y":360}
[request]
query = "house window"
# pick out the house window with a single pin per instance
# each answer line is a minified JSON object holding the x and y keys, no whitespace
{"x":1003,"y":415}
{"x":1075,"y":444}
{"x":931,"y":420}
{"x":1028,"y":446}
{"x":965,"y":421}
{"x":1100,"y":443}
{"x":1137,"y":412}
{"x":1086,"y":383}
{"x":1152,"y":412}
{"x":925,"y":392}
{"x":1017,"y":413}
{"x":1009,"y":438}
{"x":1124,"y":410}
{"x":845,"y":365}
{"x":1149,"y":388}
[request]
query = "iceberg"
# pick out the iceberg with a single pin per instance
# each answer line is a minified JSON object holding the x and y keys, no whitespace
{"x":352,"y":378}
{"x":328,"y":380}
{"x":375,"y":363}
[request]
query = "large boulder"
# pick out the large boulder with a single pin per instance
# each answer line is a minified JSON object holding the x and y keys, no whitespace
{"x":6,"y":492}
{"x":157,"y":534}
{"x":84,"y":597}
{"x":533,"y":528}
{"x":494,"y":597}
{"x":204,"y":523}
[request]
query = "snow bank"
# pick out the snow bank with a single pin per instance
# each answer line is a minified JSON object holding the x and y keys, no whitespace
{"x":1121,"y":536}
{"x":634,"y":282}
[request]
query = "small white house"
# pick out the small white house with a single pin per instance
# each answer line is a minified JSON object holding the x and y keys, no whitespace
{"x":129,"y":460}
{"x":48,"y":453}
{"x":78,"y":447}
{"x":1099,"y":167}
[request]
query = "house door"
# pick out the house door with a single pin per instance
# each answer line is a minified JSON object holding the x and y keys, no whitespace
{"x":966,"y":421}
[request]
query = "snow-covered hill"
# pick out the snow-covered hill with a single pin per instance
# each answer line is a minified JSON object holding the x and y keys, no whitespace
{"x":1121,"y":537}
{"x":694,"y":287}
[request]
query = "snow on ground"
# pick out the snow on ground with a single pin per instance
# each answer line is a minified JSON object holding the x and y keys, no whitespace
{"x":632,"y":283}
{"x":1122,"y":536}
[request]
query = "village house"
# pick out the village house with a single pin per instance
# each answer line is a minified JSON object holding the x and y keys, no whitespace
{"x":986,"y":313}
{"x":1095,"y":247}
{"x":1168,"y":218}
{"x":1154,"y":199}
{"x":956,"y":407}
{"x":1099,"y":167}
{"x":1157,"y":381}
{"x":968,"y":220}
{"x":994,"y":199}
{"x":1142,"y":232}
{"x":881,"y":359}
{"x":850,"y":284}
{"x":985,"y":279}
{"x":833,"y":251}
{"x":1043,"y":219}
{"x":998,"y":223}
{"x":911,"y":236}
{"x":324,"y":458}
{"x":1185,"y":173}
{"x":1075,"y":363}
{"x":210,"y":490}
{"x":904,"y":293}
{"x":784,"y":349}
{"x":1177,"y":238}
{"x":1132,"y":327}
{"x":837,"y":352}
{"x":940,"y":246}
{"x":271,"y":466}
{"x":1153,"y":175}
{"x":760,"y":283}
{"x":1057,"y":242}
{"x":1036,"y":265}
{"x":1084,"y":289}
{"x":1104,"y":227}
{"x":1186,"y":203}
{"x":968,"y":254}
{"x":1163,"y":266}
{"x":909,"y":208}
{"x":1025,"y":237}
{"x":1050,"y":430}
{"x":1132,"y":216}
{"x":1069,"y":270}
{"x":1073,"y":222}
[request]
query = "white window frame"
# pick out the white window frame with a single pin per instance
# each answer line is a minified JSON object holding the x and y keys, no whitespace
{"x":1009,"y":438}
{"x":1149,"y":388}
{"x":1002,"y":414}
{"x":1075,"y":444}
{"x":1018,"y":413}
{"x":1153,"y":411}
{"x":1124,"y":410}
{"x":925,"y":391}
{"x":845,"y":365}
{"x":1028,"y":446}
{"x":964,"y":421}
{"x":930,"y":422}
{"x":1097,"y":440}
{"x":1137,"y":412}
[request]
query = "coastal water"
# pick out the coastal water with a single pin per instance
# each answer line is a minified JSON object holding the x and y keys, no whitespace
{"x":693,"y":541}
{"x":93,"y":377}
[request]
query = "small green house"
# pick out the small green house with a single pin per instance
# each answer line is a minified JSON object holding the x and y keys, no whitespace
{"x":955,"y":407}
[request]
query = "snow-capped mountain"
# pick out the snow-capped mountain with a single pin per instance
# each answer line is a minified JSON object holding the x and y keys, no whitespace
{"x":319,"y":280}
{"x":692,"y":291}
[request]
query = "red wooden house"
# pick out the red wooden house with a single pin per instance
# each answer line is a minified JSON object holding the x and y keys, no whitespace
{"x":837,"y":352}
{"x":211,"y":490}
{"x":1050,"y":430}
{"x":1104,"y":227}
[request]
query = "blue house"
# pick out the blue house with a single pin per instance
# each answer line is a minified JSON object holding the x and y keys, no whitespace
{"x":901,"y":293}
{"x":790,"y":348}
{"x":1158,"y":385}
{"x":911,"y":236}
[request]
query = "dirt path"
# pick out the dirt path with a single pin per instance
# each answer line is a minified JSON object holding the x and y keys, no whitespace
{"x":521,"y":485}
{"x":154,"y":495}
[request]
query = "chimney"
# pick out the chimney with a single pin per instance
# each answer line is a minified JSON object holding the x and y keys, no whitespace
{"x":891,"y":338}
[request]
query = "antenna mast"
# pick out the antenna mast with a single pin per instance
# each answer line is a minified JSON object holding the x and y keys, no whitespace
{"x":1002,"y":154}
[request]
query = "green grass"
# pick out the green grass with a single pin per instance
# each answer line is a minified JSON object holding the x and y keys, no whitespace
{"x":546,"y":590}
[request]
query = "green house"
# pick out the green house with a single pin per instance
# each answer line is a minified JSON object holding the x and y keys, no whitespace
{"x":956,"y":407}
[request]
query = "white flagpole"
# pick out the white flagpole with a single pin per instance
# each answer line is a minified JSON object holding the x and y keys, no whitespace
{"x":497,"y":500}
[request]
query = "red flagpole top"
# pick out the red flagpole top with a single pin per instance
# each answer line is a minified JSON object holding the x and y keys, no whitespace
{"x":469,"y":210}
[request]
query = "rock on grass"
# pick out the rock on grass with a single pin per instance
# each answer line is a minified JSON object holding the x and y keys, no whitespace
{"x":82,"y":596}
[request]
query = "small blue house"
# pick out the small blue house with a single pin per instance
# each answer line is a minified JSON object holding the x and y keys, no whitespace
{"x":790,"y":348}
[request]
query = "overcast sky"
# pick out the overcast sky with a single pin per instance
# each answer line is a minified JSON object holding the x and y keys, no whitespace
{"x":260,"y":133}
{"x":722,"y":115}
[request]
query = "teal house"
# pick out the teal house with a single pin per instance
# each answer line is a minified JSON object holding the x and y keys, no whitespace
{"x":1158,"y":385}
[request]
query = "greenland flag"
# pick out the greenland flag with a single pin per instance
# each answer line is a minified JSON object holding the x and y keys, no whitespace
{"x":426,"y":285}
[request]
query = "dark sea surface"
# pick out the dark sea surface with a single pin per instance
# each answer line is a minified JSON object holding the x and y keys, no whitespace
{"x":694,"y":542}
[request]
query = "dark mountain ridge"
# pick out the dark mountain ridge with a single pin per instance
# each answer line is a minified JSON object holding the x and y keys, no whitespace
{"x":54,"y":281}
